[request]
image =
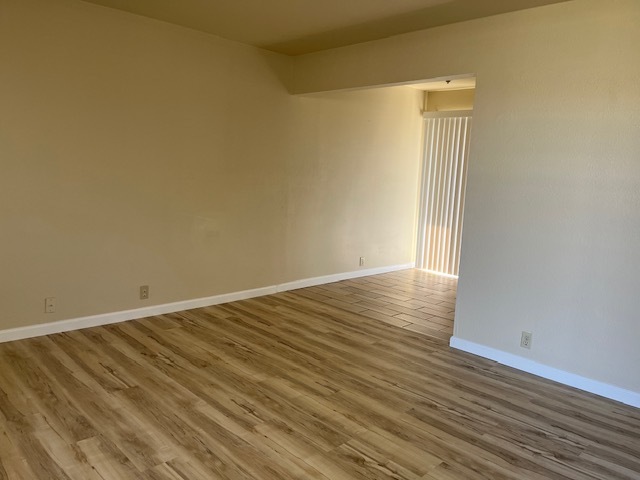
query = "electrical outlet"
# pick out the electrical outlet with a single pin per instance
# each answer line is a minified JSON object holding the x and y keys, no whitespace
{"x":50,"y":305}
{"x":362,"y":261}
{"x":144,"y":292}
{"x":525,"y":340}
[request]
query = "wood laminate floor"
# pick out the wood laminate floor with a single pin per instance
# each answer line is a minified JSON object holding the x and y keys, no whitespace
{"x":351,"y":380}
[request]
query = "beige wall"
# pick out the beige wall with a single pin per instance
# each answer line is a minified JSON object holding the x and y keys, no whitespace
{"x":353,"y":181}
{"x":136,"y":152}
{"x":449,"y":100}
{"x":552,"y":220}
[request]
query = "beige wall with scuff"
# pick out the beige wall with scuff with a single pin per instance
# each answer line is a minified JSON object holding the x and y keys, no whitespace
{"x":449,"y":100}
{"x":552,"y":218}
{"x":134,"y":152}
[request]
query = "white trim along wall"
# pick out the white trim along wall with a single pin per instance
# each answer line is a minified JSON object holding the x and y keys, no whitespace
{"x":599,"y":388}
{"x":123,"y":316}
{"x":566,"y":378}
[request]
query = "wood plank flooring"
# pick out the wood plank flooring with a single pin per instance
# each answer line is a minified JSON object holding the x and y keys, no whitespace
{"x":352,"y":380}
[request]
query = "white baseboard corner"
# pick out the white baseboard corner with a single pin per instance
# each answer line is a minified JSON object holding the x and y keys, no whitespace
{"x":612,"y":392}
{"x":61,"y":326}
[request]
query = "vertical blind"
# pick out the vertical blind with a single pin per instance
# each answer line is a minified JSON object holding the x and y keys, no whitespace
{"x":444,"y":178}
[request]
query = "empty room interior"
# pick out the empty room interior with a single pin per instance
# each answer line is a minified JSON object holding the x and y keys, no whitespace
{"x":361,"y":239}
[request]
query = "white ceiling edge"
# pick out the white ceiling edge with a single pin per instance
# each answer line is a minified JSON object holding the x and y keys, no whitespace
{"x":438,"y":85}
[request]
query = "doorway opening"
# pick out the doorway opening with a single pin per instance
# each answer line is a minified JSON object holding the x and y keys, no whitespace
{"x":447,"y":127}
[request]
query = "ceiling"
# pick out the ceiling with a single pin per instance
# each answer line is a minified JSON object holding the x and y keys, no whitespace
{"x":295,"y":27}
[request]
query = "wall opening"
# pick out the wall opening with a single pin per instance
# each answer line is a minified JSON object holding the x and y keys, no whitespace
{"x":447,"y":130}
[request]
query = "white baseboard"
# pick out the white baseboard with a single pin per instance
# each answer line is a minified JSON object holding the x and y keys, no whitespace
{"x":336,"y":277}
{"x":571,"y":379}
{"x":122,"y":316}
